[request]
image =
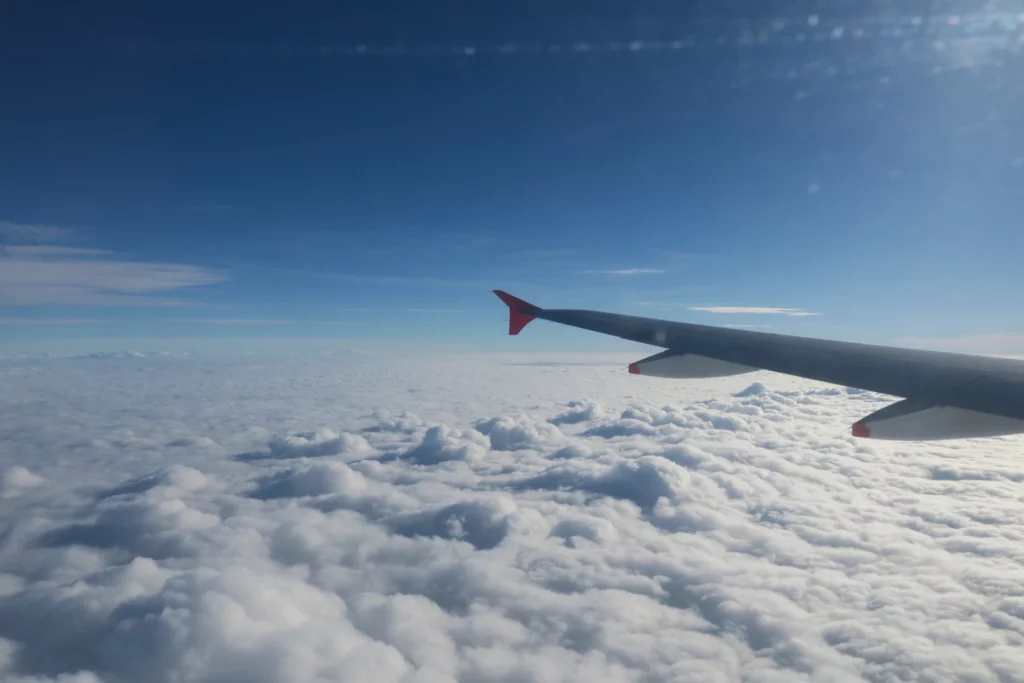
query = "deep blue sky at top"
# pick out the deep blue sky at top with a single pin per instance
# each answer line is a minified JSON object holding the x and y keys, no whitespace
{"x":337,"y":167}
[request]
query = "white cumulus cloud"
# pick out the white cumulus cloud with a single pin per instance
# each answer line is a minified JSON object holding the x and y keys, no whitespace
{"x":17,"y":480}
{"x":323,"y":441}
{"x":311,"y":520}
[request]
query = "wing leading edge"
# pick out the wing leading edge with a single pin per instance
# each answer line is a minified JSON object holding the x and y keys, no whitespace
{"x":950,"y":395}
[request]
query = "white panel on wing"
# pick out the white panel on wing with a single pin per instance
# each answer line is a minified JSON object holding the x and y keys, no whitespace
{"x":937,"y":422}
{"x":686,"y":366}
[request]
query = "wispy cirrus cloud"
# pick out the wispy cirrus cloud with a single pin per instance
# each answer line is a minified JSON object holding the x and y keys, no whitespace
{"x":235,"y":321}
{"x":48,"y":321}
{"x":402,"y":310}
{"x":753,"y":310}
{"x":35,"y":274}
{"x":186,"y":321}
{"x":51,"y":251}
{"x":206,"y":206}
{"x":993,"y":343}
{"x":22,"y":233}
{"x":625,"y":271}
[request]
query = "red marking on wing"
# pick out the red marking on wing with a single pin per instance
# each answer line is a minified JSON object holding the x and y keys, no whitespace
{"x":861,"y":430}
{"x":634,"y":369}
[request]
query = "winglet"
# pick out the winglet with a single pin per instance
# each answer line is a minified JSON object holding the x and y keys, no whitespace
{"x":518,"y":311}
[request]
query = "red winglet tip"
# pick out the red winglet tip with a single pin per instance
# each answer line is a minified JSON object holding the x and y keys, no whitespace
{"x":861,"y":430}
{"x":518,"y":311}
{"x":634,"y":369}
{"x":517,"y":321}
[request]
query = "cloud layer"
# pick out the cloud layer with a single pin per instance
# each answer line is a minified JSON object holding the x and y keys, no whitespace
{"x":476,"y":519}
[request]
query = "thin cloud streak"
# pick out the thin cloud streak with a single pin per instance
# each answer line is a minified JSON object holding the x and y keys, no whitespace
{"x":993,"y":343}
{"x":18,"y":233}
{"x":625,"y":271}
{"x":44,"y":321}
{"x":152,"y":321}
{"x":401,"y":310}
{"x":753,"y":310}
{"x":234,"y":321}
{"x":47,"y":251}
{"x":58,"y":275}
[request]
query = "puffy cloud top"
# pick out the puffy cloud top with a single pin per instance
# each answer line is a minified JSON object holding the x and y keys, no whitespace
{"x":322,"y":442}
{"x":17,"y":480}
{"x":159,"y":531}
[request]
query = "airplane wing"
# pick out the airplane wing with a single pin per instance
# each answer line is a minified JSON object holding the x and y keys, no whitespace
{"x":946,"y":395}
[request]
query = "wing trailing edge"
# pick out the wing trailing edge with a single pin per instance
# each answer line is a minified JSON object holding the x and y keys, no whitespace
{"x":911,"y":420}
{"x":678,"y":365}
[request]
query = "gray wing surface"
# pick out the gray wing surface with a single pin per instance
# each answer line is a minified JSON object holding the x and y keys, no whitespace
{"x":929,"y":378}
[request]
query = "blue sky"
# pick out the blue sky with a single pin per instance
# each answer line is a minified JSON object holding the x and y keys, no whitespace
{"x":195,"y":173}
